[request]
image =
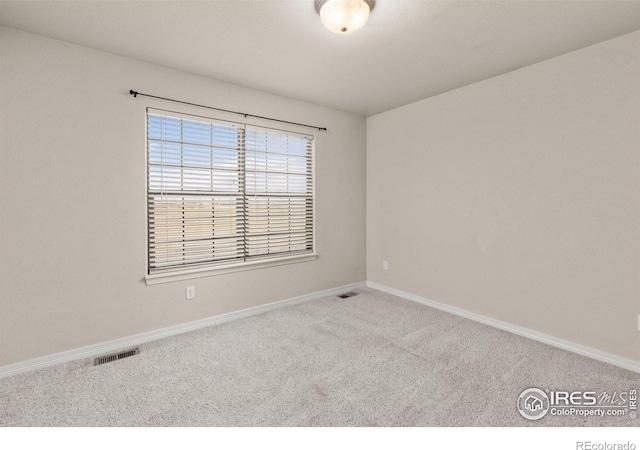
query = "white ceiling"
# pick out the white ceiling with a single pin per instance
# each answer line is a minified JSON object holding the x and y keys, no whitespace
{"x":409,"y":49}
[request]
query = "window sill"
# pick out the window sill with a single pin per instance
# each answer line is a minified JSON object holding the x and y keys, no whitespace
{"x":158,"y":278}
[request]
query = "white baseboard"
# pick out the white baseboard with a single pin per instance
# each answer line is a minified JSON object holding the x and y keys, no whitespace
{"x":120,"y":344}
{"x":593,"y":353}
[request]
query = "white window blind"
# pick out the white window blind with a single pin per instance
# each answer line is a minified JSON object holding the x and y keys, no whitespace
{"x":222,"y":193}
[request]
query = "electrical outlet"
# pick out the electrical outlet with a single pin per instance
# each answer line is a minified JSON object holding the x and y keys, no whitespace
{"x":385,"y":265}
{"x":190,"y":292}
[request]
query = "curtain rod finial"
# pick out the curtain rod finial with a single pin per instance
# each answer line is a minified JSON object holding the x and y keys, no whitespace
{"x":134,"y":93}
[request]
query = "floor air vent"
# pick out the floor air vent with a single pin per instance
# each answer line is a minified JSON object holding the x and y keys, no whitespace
{"x":115,"y":356}
{"x":348,"y":294}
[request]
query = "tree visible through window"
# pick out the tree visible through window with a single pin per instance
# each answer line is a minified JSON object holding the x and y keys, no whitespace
{"x":222,"y":193}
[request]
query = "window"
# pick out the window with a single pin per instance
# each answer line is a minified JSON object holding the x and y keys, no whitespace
{"x":224,"y":194}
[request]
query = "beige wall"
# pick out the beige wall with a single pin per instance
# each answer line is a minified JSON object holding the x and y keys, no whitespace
{"x":73,"y":206}
{"x":519,"y":197}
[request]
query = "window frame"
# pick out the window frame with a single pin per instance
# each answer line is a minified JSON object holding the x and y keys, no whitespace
{"x":178,"y":273}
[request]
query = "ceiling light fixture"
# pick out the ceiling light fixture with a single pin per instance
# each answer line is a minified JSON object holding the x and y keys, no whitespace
{"x":344,"y":16}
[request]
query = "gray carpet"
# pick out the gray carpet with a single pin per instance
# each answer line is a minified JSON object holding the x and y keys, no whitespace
{"x":369,"y":360}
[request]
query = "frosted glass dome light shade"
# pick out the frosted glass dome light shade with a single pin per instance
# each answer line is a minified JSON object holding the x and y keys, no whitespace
{"x":344,"y":16}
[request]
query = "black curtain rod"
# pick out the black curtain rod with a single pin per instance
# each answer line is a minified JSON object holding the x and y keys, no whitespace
{"x":136,"y":93}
